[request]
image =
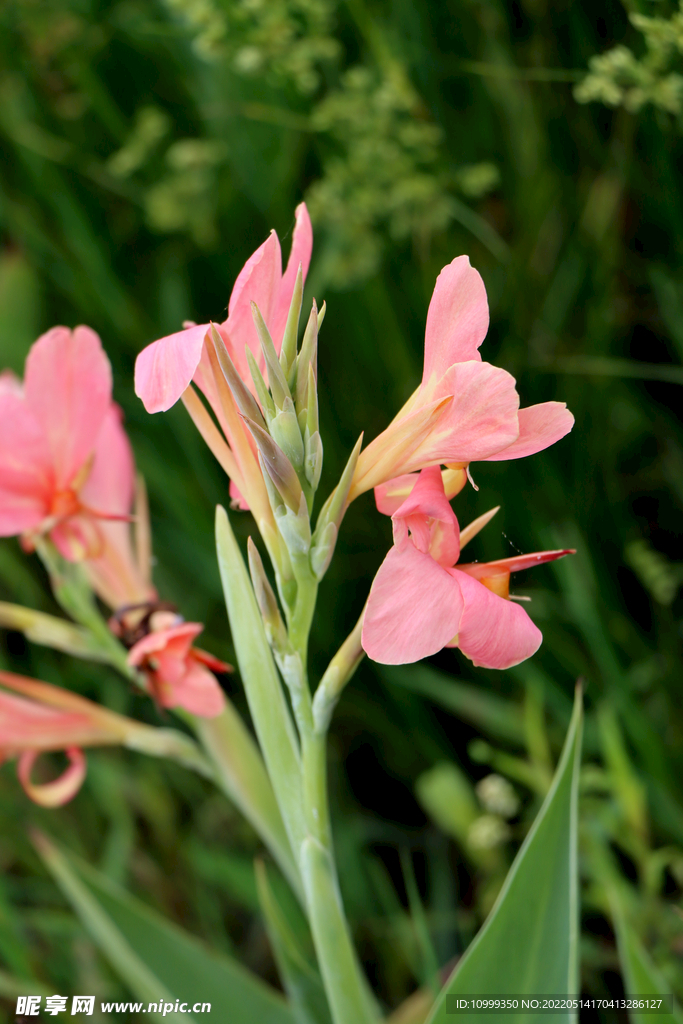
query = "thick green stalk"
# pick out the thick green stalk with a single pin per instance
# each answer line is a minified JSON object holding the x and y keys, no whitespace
{"x":347,"y":990}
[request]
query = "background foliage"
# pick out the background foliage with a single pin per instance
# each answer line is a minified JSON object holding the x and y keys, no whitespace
{"x":148,"y":147}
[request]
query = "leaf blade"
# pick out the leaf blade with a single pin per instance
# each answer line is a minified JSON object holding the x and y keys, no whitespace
{"x":529,"y":942}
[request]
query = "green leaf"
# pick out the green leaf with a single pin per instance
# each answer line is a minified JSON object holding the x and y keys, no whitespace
{"x":242,"y":774}
{"x":640,"y":974}
{"x":529,"y":942}
{"x":156,"y":958}
{"x":267,"y":704}
{"x":298,"y":972}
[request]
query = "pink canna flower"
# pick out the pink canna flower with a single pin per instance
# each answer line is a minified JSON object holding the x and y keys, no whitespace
{"x":45,"y":718}
{"x":420,"y":602}
{"x":48,"y":433}
{"x":178,"y":673}
{"x":464,"y":410}
{"x":165,"y":370}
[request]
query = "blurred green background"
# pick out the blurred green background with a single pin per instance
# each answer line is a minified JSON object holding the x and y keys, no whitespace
{"x":147,"y":149}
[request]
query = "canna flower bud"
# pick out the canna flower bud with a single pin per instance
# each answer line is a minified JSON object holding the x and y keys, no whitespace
{"x":313,"y":464}
{"x":308,"y":356}
{"x":331,"y":514}
{"x":295,"y":528}
{"x":241,"y":393}
{"x":323,"y":549}
{"x":279,"y":388}
{"x":284,"y":430}
{"x":277,"y":467}
{"x":291,"y":334}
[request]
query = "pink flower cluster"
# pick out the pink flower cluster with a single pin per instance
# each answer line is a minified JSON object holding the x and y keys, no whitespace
{"x":464,"y":410}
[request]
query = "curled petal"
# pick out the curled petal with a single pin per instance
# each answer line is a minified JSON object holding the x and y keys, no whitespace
{"x":68,"y":389}
{"x":539,"y":427}
{"x":302,"y":246}
{"x":413,"y":610}
{"x":59,"y":791}
{"x":164,"y":369}
{"x":494,"y":632}
{"x":427,"y":511}
{"x":458,"y":318}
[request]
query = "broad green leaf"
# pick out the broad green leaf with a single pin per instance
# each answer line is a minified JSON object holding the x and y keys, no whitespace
{"x":298,"y":972}
{"x":640,"y":974}
{"x":267,"y":704}
{"x":529,"y":943}
{"x":156,"y":958}
{"x":241,"y":772}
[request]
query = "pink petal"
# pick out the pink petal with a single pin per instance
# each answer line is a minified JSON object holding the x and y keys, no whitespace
{"x":494,"y":633}
{"x":111,"y":481}
{"x":458,"y":318}
{"x":302,"y":246}
{"x":539,"y":427}
{"x":259,"y":282}
{"x":10,"y":384}
{"x":390,"y":496}
{"x":427,"y":501}
{"x":198,"y":692}
{"x":176,"y":639}
{"x":414,"y":608}
{"x":26,"y":478}
{"x":114,"y":573}
{"x":165,"y":368}
{"x":27,"y":724}
{"x":479,"y":570}
{"x":480,"y":420}
{"x":68,"y":388}
{"x":237,"y":499}
{"x":78,"y":537}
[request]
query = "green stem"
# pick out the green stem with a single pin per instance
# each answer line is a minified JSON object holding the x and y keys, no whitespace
{"x":314,"y":764}
{"x":347,"y":990}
